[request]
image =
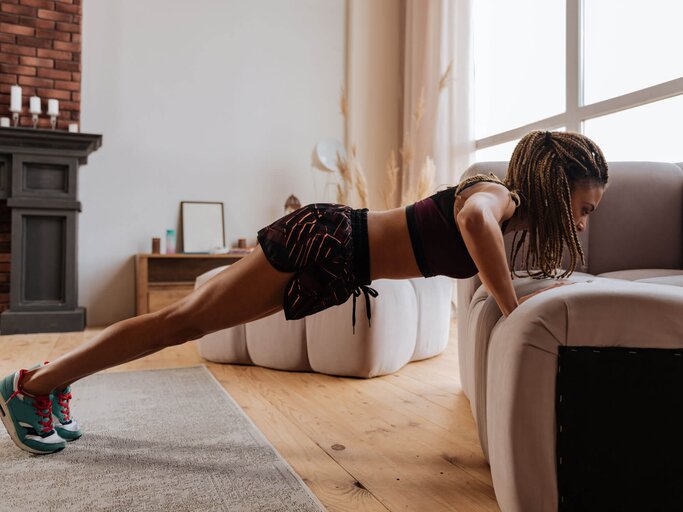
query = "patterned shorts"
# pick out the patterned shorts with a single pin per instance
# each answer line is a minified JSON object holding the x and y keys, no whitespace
{"x":327,"y":246}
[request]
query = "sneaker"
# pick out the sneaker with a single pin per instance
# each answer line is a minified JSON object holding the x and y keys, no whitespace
{"x":28,"y":418}
{"x":66,"y":426}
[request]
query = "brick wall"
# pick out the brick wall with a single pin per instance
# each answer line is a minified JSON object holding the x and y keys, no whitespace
{"x":40,"y":49}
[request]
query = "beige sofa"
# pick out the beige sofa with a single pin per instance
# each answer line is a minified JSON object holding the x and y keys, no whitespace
{"x":410,"y":321}
{"x":630,"y":294}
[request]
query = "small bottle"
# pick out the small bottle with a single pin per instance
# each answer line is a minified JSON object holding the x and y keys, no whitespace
{"x":170,"y":241}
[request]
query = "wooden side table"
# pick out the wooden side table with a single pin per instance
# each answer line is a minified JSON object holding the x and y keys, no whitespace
{"x":162,"y":279}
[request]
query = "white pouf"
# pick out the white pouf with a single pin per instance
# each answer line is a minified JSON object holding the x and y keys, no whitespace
{"x":410,"y":321}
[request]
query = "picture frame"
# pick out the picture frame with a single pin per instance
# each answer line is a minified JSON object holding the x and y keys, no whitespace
{"x":203,"y":226}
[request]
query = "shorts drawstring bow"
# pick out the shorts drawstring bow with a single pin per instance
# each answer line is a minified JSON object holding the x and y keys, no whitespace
{"x":367,"y":291}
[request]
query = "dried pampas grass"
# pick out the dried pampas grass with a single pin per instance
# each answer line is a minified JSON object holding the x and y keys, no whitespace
{"x":341,"y":194}
{"x":353,"y":177}
{"x":361,"y":184}
{"x":425,"y":183}
{"x":446,"y":77}
{"x":347,"y":180}
{"x":407,"y":152}
{"x":419,"y":109}
{"x":343,"y":102}
{"x":389,"y":193}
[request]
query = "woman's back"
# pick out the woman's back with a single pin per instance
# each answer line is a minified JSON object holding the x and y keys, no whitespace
{"x":435,"y":241}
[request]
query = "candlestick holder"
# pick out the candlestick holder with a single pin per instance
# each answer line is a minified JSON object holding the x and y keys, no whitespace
{"x":15,"y":119}
{"x":34,"y":118}
{"x":53,"y":122}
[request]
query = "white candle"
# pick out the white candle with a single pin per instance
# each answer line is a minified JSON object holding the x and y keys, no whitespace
{"x":15,"y":101}
{"x":73,"y":127}
{"x":52,"y":107}
{"x":34,"y":105}
{"x":4,"y":122}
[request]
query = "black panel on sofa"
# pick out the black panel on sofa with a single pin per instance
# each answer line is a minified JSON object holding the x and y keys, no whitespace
{"x":619,"y":429}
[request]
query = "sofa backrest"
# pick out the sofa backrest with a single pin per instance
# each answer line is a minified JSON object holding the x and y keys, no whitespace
{"x":639,"y":223}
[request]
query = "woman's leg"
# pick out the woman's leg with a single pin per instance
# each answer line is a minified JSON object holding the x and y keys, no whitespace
{"x":157,"y":349}
{"x":245,"y":291}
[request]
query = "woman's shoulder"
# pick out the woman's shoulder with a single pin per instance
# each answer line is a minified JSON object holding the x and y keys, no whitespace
{"x":482,"y":182}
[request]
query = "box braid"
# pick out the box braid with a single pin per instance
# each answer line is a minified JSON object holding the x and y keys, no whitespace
{"x":545,"y":167}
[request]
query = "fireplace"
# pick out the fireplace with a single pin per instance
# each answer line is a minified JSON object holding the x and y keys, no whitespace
{"x":39,"y":219}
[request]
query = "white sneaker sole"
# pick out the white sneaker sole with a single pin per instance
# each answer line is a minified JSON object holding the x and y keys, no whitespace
{"x":56,"y":423}
{"x":9,"y":425}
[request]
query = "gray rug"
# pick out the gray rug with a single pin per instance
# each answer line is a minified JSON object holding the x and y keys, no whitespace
{"x":171,"y":440}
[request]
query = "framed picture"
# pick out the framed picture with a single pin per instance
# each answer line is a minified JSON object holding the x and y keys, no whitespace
{"x":203,"y":227}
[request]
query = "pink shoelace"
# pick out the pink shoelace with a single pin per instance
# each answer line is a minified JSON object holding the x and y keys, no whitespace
{"x":43,"y":407}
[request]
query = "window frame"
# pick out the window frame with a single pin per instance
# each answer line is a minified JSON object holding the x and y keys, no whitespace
{"x":575,"y":111}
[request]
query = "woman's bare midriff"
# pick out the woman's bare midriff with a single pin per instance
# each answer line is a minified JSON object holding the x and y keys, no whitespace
{"x":391,"y":253}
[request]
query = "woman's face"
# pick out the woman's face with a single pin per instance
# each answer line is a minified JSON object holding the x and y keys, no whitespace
{"x":585,"y":197}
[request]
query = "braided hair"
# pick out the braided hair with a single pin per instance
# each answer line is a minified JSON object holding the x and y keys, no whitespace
{"x":543,"y":170}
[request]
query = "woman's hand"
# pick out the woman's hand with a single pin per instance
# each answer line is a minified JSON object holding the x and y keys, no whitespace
{"x":555,"y":285}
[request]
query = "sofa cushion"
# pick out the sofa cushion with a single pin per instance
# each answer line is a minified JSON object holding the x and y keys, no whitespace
{"x":639,"y":274}
{"x":676,"y":280}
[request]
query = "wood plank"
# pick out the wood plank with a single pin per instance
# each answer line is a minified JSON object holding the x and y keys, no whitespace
{"x":24,"y":350}
{"x":335,"y":487}
{"x":376,"y":450}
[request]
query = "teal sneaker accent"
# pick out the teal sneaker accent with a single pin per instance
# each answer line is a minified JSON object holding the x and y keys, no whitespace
{"x":64,"y":424}
{"x":27,"y":418}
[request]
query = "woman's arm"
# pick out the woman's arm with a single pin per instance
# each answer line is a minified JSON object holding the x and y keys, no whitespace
{"x":484,"y":240}
{"x":478,"y":222}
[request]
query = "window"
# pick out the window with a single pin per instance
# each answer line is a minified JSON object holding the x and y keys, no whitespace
{"x":648,"y":132}
{"x":516,"y":65}
{"x":608,"y":68}
{"x":500,"y":152}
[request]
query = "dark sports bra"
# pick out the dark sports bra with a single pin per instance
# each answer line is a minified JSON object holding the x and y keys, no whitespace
{"x":437,"y":244}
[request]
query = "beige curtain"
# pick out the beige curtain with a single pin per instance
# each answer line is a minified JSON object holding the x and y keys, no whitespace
{"x":437,"y":114}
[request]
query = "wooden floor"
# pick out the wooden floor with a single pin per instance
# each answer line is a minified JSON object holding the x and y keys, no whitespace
{"x":404,"y":442}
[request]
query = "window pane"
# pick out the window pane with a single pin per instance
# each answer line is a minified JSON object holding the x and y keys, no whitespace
{"x":500,"y":152}
{"x":629,"y":45}
{"x":519,"y":62}
{"x":650,"y":132}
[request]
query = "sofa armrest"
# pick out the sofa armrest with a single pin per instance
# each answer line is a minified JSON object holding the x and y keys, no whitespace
{"x":522,"y":372}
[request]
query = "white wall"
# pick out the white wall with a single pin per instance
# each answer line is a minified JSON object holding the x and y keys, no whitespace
{"x":209,"y":100}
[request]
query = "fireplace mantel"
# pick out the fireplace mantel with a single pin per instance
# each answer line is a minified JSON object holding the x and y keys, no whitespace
{"x":39,"y":185}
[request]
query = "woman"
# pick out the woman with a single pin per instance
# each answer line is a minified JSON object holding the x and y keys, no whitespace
{"x":320,"y":255}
